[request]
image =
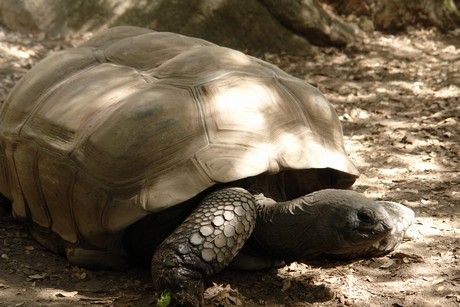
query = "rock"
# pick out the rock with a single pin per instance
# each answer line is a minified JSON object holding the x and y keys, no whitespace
{"x":34,"y":15}
{"x":256,"y":30}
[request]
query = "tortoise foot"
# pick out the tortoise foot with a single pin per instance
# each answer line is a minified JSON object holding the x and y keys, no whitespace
{"x":205,"y":243}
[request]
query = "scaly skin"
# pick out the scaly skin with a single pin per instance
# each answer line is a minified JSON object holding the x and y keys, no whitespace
{"x":203,"y":244}
{"x":329,"y":222}
{"x":338,"y":223}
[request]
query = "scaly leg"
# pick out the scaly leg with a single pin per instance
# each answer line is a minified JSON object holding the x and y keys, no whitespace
{"x":204,"y":244}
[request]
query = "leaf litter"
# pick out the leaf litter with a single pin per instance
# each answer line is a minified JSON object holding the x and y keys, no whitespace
{"x":398,"y":99}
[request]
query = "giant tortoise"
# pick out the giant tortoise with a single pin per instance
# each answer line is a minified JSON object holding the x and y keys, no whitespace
{"x":169,"y":150}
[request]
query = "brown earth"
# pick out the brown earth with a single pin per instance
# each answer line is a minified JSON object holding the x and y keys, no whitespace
{"x":398,"y":97}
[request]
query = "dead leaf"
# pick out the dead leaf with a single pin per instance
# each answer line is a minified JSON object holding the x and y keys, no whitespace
{"x":286,"y":284}
{"x":387,"y":263}
{"x":437,"y":281}
{"x":456,"y":296}
{"x":80,"y":275}
{"x":66,"y":294}
{"x":38,"y":276}
{"x":100,"y":301}
{"x":331,"y":280}
{"x":223,"y":295}
{"x":407,"y":257}
{"x":235,"y":300}
{"x":440,"y":289}
{"x":212,"y":291}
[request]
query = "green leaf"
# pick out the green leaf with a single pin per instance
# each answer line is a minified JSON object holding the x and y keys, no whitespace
{"x":165,"y":299}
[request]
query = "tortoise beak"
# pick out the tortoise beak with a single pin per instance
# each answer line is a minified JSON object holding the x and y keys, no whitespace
{"x":375,"y":230}
{"x":384,"y":227}
{"x":387,"y":227}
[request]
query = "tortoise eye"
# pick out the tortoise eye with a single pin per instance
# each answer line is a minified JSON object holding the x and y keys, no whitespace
{"x":365,"y":217}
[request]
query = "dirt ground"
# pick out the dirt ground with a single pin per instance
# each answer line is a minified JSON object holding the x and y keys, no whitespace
{"x":398,"y":98}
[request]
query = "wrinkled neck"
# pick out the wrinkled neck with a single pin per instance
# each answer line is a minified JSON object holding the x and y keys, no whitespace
{"x":285,"y":231}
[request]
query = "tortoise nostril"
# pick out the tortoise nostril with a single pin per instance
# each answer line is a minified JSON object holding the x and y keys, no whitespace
{"x":365,"y":217}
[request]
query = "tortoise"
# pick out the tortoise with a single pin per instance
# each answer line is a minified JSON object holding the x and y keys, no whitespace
{"x":157,"y":148}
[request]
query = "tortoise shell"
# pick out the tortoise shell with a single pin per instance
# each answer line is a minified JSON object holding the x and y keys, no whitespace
{"x":135,"y":121}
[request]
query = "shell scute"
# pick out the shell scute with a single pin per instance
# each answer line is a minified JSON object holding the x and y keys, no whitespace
{"x":148,"y":51}
{"x":145,"y":135}
{"x":200,"y":65}
{"x":57,"y":67}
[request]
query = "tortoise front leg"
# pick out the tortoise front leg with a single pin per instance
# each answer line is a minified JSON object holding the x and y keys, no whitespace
{"x":204,"y":244}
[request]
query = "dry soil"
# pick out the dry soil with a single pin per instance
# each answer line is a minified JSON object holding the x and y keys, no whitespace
{"x":398,"y":99}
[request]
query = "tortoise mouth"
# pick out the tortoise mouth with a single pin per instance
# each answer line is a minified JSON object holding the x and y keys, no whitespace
{"x":361,"y":241}
{"x":374,"y":231}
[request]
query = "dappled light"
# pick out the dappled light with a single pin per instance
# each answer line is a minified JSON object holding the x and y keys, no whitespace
{"x":241,"y":96}
{"x":399,"y":103}
{"x":14,"y":52}
{"x":398,"y":100}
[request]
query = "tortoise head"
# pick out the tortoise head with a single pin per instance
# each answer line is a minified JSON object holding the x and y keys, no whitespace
{"x":348,"y":223}
{"x":339,"y":223}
